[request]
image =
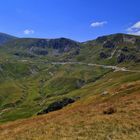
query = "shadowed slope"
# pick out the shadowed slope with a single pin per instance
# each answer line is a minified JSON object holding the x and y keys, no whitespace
{"x":4,"y":38}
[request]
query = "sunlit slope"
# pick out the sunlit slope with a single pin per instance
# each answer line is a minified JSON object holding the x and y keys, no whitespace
{"x":114,"y":49}
{"x":27,"y":88}
{"x":108,"y":109}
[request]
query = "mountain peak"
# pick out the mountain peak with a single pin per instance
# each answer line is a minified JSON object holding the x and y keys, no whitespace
{"x":118,"y":38}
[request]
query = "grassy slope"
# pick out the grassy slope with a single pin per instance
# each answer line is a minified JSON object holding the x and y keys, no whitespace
{"x":91,"y":50}
{"x":27,"y":88}
{"x":85,"y":119}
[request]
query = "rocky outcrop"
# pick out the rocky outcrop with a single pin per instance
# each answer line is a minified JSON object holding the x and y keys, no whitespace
{"x":57,"y":105}
{"x":109,"y":44}
{"x":121,"y":58}
{"x":103,"y":55}
{"x":125,"y":49}
{"x":40,"y":52}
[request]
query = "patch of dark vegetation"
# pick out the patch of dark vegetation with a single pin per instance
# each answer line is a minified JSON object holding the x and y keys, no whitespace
{"x":12,"y":105}
{"x":19,"y":54}
{"x":57,"y":105}
{"x":110,"y":110}
{"x":9,"y":105}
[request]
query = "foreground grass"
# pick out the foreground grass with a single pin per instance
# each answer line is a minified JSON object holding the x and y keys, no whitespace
{"x":85,"y":119}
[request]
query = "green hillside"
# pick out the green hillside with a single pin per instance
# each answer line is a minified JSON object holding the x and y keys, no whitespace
{"x":107,"y":109}
{"x":112,"y":49}
{"x":83,"y":90}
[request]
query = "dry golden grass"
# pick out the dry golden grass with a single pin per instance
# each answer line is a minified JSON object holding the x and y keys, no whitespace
{"x":85,"y":120}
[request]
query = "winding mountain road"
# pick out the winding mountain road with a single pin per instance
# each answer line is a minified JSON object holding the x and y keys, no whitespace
{"x":116,"y":68}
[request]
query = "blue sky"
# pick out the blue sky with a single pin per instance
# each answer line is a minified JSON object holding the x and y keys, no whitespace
{"x":76,"y":19}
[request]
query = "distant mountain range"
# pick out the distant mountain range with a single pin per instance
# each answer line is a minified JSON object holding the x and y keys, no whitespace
{"x":112,"y":49}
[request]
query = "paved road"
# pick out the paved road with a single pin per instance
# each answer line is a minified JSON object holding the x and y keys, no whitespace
{"x":116,"y":68}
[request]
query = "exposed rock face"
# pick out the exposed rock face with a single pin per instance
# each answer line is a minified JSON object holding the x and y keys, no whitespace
{"x":44,"y":47}
{"x":131,"y":57}
{"x":105,"y":93}
{"x":57,"y":105}
{"x":121,"y":58}
{"x":62,"y":44}
{"x":109,"y":44}
{"x":128,"y":39}
{"x":77,"y":52}
{"x":103,"y":55}
{"x":125,"y":49}
{"x":41,"y":52}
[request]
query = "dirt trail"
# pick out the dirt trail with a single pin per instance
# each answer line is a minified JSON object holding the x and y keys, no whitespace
{"x":116,"y":68}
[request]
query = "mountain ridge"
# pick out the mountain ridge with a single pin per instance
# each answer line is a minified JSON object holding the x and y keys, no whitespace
{"x":5,"y":38}
{"x":105,"y":47}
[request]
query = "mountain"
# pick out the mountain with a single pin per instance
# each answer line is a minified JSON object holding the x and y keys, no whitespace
{"x":64,"y":89}
{"x":112,"y":49}
{"x":5,"y":38}
{"x":32,"y":47}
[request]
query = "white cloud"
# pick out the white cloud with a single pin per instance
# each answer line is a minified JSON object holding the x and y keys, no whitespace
{"x":134,"y":29}
{"x":136,"y":25}
{"x":29,"y":31}
{"x":98,"y":24}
